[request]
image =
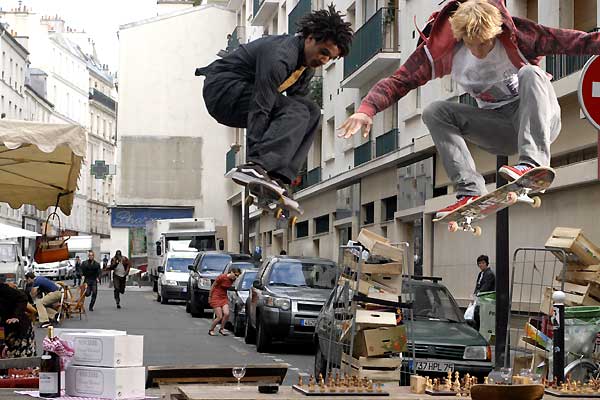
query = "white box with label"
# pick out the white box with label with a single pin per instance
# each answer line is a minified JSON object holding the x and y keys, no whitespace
{"x":107,"y":383}
{"x":107,"y":350}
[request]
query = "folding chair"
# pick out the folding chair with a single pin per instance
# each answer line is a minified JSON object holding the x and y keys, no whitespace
{"x":76,"y":306}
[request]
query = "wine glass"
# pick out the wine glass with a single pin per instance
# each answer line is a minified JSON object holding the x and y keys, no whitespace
{"x":238,"y":373}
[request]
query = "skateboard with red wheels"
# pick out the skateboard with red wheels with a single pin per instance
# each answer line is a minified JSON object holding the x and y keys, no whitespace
{"x":269,"y":199}
{"x":536,"y":180}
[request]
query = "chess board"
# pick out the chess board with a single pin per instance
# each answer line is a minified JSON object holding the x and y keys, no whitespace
{"x":327,"y":392}
{"x":573,"y":395}
{"x":442,"y":392}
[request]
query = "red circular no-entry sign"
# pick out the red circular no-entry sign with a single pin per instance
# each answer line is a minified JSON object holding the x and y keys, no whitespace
{"x":589,"y":91}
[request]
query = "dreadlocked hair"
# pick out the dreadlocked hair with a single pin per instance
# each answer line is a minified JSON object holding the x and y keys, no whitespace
{"x":327,"y":25}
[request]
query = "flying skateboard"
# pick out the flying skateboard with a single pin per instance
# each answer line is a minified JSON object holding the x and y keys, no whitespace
{"x":536,"y":180}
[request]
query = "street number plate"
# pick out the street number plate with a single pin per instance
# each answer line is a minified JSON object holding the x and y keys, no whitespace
{"x":308,"y":322}
{"x":436,"y":366}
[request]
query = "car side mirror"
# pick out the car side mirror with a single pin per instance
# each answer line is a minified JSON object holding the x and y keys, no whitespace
{"x":191,"y":268}
{"x":161,"y":269}
{"x":256,"y":284}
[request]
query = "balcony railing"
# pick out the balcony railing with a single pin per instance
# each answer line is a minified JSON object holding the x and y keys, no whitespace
{"x":562,"y":65}
{"x":377,"y":35}
{"x":237,"y":38}
{"x":466,"y":98}
{"x":386,"y":143}
{"x":230,"y":160}
{"x":302,"y":8}
{"x":362,"y":154}
{"x":103,"y":99}
{"x":313,"y":177}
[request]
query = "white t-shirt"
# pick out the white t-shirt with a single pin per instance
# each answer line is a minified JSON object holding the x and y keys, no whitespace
{"x":492,"y":81}
{"x":120,"y":270}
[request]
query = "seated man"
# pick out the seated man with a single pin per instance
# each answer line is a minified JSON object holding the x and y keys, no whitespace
{"x":51,"y":294}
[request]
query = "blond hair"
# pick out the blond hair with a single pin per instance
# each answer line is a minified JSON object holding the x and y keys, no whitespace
{"x":476,"y":20}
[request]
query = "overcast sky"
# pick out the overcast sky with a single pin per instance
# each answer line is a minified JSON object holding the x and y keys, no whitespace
{"x":100,"y":18}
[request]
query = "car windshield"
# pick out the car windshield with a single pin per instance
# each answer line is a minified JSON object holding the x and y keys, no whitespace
{"x":303,"y":274}
{"x":214,"y":262}
{"x":434,"y":302}
{"x":247,"y":279}
{"x":8,"y":253}
{"x":240,"y":264}
{"x":178,"y":264}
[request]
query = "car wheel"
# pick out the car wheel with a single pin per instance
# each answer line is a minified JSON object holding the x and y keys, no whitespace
{"x":238,"y":328}
{"x":250,"y":334}
{"x":194,"y":309}
{"x":164,"y":300}
{"x":187,"y":302}
{"x":263,"y":340}
{"x":320,"y":363}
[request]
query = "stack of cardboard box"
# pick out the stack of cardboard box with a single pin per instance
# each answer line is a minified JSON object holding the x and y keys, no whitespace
{"x":106,"y":364}
{"x":582,"y":275}
{"x":379,"y":336}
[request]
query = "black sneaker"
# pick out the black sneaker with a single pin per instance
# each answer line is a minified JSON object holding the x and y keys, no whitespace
{"x":91,"y":308}
{"x":251,"y":172}
{"x":118,"y":306}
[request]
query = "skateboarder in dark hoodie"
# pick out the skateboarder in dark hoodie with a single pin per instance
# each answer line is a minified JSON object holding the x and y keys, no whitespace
{"x":494,"y":57}
{"x":263,"y":86}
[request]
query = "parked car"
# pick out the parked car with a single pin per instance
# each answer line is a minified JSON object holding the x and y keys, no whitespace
{"x":206,"y":267}
{"x":242,"y":265}
{"x":237,"y":295}
{"x":286,"y":297}
{"x":443,"y":340}
{"x":173,"y":276}
{"x":54,"y":270}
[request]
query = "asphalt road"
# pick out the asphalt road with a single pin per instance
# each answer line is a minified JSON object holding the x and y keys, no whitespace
{"x":172,"y":336}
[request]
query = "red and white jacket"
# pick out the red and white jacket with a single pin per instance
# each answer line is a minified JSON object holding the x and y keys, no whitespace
{"x":525,"y":41}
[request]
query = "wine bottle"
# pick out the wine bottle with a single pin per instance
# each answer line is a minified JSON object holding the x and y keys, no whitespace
{"x":50,"y":371}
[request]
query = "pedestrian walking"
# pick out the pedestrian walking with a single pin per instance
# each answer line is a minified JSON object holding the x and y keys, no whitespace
{"x":90,"y":269}
{"x":105,"y":270}
{"x":494,"y":57}
{"x":15,"y":319}
{"x":77,"y":278}
{"x":120,"y":266}
{"x":45,"y":294}
{"x":217,"y":298}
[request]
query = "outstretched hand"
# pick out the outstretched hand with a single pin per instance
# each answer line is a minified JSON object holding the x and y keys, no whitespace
{"x":354,"y":123}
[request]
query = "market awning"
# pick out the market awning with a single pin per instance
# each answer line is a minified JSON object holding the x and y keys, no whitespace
{"x":10,"y":232}
{"x":39,"y":163}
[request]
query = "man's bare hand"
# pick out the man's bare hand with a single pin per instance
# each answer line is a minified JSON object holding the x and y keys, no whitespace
{"x":354,"y":123}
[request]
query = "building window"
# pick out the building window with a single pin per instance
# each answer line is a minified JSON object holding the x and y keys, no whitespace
{"x":368,"y":213}
{"x":416,"y":184}
{"x":301,"y":229}
{"x":388,"y":208}
{"x":322,"y":224}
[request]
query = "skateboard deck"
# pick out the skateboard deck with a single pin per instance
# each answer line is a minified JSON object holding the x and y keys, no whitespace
{"x":534,"y":181}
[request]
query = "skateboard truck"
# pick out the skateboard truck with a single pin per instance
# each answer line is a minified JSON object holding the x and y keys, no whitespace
{"x":465,"y":225}
{"x":522,"y":196}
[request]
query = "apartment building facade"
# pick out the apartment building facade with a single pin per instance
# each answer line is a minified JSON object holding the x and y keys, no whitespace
{"x":392,"y":181}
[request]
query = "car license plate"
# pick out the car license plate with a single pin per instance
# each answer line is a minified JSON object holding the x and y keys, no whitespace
{"x":435,"y":366}
{"x":308,"y":322}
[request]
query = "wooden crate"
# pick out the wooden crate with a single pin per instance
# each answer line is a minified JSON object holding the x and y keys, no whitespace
{"x":375,"y":368}
{"x":374,"y":319}
{"x":380,"y":246}
{"x":580,"y":250}
{"x":575,"y":295}
{"x":371,"y":289}
{"x":393,"y":268}
{"x":579,"y":277}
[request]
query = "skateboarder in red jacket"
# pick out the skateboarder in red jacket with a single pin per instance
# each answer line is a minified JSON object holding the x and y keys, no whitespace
{"x":494,"y":57}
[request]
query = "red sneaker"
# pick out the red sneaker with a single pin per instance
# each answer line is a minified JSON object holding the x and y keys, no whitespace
{"x":459,"y":203}
{"x":512,"y":173}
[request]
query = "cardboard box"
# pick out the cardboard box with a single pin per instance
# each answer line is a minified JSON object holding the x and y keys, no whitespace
{"x":378,"y":245}
{"x":579,"y":249}
{"x":394,"y":282}
{"x":374,"y":319}
{"x":372,"y":289}
{"x":107,"y":383}
{"x":107,"y":350}
{"x":380,"y":341}
{"x":375,"y":368}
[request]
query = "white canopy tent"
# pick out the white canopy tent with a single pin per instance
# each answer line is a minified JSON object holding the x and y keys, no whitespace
{"x":11,"y":232}
{"x":40,"y":163}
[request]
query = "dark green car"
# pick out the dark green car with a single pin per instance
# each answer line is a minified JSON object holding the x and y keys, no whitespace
{"x":443,"y":340}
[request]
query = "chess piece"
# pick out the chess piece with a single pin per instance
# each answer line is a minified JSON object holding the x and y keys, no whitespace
{"x":370,"y":386}
{"x":321,"y":382}
{"x":428,"y":383}
{"x":379,"y":387}
{"x":436,"y":384}
{"x":300,"y":384}
{"x":311,"y":383}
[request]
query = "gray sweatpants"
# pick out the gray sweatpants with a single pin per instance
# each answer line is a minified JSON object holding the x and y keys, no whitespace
{"x":527,"y":126}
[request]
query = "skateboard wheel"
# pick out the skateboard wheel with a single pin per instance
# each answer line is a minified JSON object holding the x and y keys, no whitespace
{"x":477,"y":230}
{"x":249,"y":200}
{"x":537,"y":202}
{"x":293,"y":221}
{"x":452,"y":226}
{"x":511,"y":197}
{"x":278,"y":213}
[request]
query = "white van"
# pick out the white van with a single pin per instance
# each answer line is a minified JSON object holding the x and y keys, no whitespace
{"x":174,"y":274}
{"x":12,"y":265}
